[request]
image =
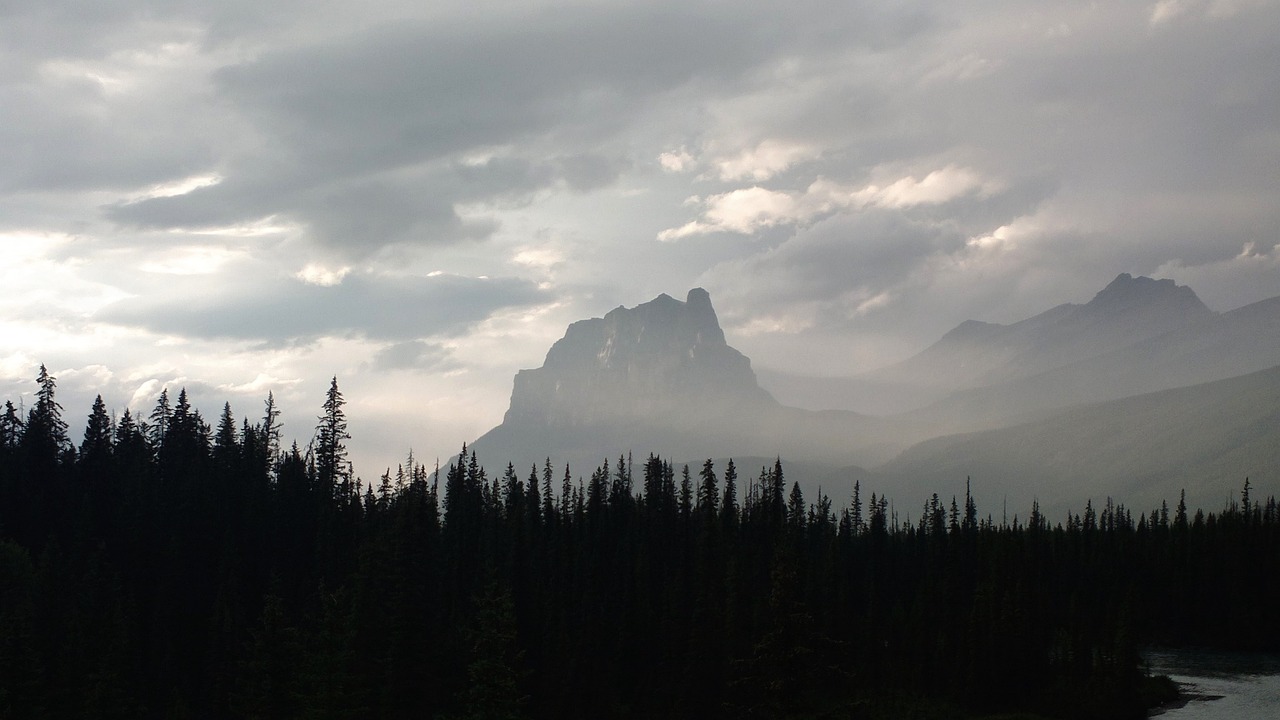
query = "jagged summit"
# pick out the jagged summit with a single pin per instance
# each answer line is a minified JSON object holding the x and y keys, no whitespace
{"x":974,"y":354}
{"x":659,"y":356}
{"x":658,"y":377}
{"x":1127,"y":294}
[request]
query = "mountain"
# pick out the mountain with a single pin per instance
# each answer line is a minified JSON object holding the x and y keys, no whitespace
{"x":979,"y":354}
{"x":1205,"y":439}
{"x":662,"y":356}
{"x":1215,"y":347}
{"x":659,"y":377}
{"x":1136,"y":394}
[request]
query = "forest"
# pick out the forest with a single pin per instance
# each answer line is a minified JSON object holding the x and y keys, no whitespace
{"x":168,"y":567}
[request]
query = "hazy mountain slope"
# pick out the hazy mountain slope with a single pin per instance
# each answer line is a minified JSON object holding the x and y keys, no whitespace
{"x":660,"y":378}
{"x":1139,"y":450}
{"x":1214,"y":348}
{"x":977,"y":354}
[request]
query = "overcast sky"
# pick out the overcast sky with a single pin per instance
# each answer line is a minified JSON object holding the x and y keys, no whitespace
{"x":244,"y":196}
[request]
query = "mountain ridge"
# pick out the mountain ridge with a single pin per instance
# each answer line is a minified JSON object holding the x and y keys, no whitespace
{"x":977,"y":354}
{"x":661,"y":377}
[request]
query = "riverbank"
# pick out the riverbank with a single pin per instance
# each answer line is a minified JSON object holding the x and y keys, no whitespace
{"x":1213,"y":685}
{"x":1187,"y":693}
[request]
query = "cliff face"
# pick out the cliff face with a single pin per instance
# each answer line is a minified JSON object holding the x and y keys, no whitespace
{"x":659,"y":357}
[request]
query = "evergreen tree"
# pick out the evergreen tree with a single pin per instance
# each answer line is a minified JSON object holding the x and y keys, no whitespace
{"x":159,"y":419}
{"x":130,"y":440}
{"x":271,"y":429}
{"x":729,"y":505}
{"x":855,"y":517}
{"x":95,"y":449}
{"x":226,"y":446}
{"x":795,"y":507}
{"x":548,"y":505}
{"x":970,"y":509}
{"x":46,"y":431}
{"x":777,"y":493}
{"x":708,"y":492}
{"x":11,"y":427}
{"x":566,"y":493}
{"x":332,"y":469}
{"x":686,"y":493}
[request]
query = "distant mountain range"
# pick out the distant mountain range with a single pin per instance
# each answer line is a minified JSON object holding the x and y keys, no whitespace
{"x":1140,"y":450}
{"x":1046,"y":408}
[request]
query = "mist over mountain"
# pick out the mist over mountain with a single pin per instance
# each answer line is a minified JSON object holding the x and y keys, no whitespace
{"x":1216,"y":347}
{"x":980,"y":354}
{"x":1060,"y":402}
{"x":658,"y":377}
{"x":1141,"y":450}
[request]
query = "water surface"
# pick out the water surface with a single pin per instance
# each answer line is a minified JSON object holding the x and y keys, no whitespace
{"x":1222,"y":685}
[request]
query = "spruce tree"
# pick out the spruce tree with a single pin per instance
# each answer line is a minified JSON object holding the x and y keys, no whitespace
{"x":46,"y":431}
{"x":855,"y":516}
{"x":729,"y":505}
{"x":159,"y":419}
{"x":548,"y":506}
{"x":271,"y":429}
{"x":225,"y":443}
{"x":686,"y":493}
{"x":11,"y":427}
{"x":96,"y":446}
{"x":708,"y":492}
{"x":332,"y":469}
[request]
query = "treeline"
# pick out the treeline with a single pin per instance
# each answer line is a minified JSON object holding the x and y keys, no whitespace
{"x":166,"y":567}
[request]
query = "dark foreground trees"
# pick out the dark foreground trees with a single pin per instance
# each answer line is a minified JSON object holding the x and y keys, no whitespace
{"x":174,"y":569}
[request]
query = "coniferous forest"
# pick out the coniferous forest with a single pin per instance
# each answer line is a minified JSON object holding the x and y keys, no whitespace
{"x":170,"y":567}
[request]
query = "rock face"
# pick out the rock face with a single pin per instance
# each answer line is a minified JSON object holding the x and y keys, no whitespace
{"x":657,"y":378}
{"x":660,"y":357}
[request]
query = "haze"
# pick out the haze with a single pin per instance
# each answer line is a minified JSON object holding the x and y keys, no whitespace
{"x":419,"y":198}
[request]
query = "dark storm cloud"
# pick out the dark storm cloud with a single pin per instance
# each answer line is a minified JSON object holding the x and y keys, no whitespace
{"x":405,"y":94}
{"x":362,"y":306}
{"x":363,"y":137}
{"x":369,"y":139}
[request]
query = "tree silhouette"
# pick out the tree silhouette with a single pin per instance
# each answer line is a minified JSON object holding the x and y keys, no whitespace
{"x":332,"y":469}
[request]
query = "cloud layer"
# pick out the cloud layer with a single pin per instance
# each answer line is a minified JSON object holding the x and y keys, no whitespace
{"x":247,"y":197}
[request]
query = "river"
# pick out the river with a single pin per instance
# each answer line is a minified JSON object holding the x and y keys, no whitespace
{"x":1221,"y":685}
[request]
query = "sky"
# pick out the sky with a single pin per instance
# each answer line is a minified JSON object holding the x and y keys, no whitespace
{"x":242,"y":197}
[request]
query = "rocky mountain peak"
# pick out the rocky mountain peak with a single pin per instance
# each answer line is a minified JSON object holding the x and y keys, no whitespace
{"x":1128,"y":294}
{"x":655,"y":357}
